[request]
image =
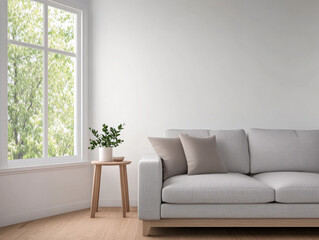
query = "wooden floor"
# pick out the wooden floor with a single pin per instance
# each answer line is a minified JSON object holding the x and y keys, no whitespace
{"x":109,"y":225}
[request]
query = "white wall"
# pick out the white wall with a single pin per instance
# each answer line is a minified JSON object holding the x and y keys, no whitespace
{"x":216,"y":64}
{"x":29,"y":195}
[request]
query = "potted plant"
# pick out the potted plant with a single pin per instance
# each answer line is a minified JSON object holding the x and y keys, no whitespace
{"x":106,"y":141}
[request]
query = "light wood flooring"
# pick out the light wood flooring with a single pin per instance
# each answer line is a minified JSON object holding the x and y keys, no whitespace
{"x":110,"y":225}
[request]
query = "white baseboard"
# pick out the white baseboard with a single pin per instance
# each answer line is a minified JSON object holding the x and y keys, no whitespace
{"x":36,"y":214}
{"x":115,"y":203}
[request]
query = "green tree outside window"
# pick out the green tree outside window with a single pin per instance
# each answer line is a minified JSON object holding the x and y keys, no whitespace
{"x":25,"y":81}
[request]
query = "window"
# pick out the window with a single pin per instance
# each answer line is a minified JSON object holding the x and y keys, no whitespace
{"x":43,"y":84}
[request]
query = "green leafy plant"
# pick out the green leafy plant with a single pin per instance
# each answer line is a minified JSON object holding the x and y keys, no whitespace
{"x":109,"y":137}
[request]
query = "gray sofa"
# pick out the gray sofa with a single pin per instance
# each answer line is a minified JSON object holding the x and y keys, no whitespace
{"x":272,"y":181}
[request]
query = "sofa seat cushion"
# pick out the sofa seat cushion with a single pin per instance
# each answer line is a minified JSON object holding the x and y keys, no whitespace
{"x":259,"y":210}
{"x":216,"y":188}
{"x":292,"y":187}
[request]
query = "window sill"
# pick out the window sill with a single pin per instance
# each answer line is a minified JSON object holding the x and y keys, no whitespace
{"x":42,"y":168}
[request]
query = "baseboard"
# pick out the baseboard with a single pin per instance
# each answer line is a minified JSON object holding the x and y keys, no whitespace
{"x":115,"y":203}
{"x":36,"y":214}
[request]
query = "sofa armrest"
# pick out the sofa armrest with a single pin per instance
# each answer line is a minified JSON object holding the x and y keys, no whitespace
{"x":150,"y":187}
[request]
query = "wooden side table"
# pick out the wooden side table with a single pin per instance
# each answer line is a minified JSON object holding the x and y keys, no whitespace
{"x":96,"y":185}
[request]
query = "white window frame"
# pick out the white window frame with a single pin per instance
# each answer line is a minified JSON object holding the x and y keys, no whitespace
{"x":80,"y":132}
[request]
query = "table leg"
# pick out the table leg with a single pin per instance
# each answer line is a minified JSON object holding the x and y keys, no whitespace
{"x":99,"y":171}
{"x":94,"y":191}
{"x":126,"y":190}
{"x":123,"y":190}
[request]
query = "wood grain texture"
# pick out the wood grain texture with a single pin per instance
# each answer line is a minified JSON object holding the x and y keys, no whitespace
{"x":97,"y":183}
{"x":126,"y":190}
{"x":123,"y":190}
{"x":110,"y":225}
{"x":110,"y":163}
{"x":97,"y":170}
{"x":257,"y":222}
{"x":231,"y":222}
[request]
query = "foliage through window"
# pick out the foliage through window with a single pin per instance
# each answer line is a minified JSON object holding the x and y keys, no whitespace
{"x":42,"y":80}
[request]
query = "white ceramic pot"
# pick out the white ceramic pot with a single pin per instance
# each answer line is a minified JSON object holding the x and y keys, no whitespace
{"x":105,"y":154}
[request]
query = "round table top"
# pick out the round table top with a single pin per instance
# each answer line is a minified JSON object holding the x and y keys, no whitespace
{"x":113,"y":163}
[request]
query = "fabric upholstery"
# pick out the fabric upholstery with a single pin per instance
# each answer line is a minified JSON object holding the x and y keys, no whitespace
{"x":171,"y":151}
{"x":232,"y":146}
{"x":215,"y":188}
{"x":189,"y":132}
{"x":201,"y":155}
{"x":284,"y":150}
{"x":267,"y":210}
{"x":292,"y":187}
{"x":149,"y":187}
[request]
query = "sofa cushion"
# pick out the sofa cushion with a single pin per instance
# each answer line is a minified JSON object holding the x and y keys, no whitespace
{"x":259,"y":210}
{"x":171,"y":151}
{"x":216,"y":188}
{"x":232,"y":146}
{"x":292,"y":187}
{"x":201,"y":155}
{"x":284,"y":150}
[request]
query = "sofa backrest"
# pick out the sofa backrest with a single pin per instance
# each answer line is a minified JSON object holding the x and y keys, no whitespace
{"x":283,"y":150}
{"x":232,"y":146}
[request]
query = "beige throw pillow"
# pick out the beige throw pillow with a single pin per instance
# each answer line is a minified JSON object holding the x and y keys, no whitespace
{"x":170,"y":150}
{"x":201,"y":155}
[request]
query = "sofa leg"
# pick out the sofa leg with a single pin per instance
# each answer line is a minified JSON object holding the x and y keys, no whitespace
{"x":146,"y":228}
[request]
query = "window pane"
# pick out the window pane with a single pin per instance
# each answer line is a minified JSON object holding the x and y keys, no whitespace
{"x":61,"y":105}
{"x":25,"y":102}
{"x":61,"y":29}
{"x":25,"y":21}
